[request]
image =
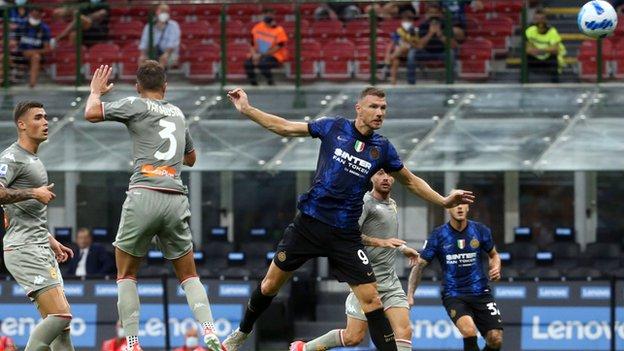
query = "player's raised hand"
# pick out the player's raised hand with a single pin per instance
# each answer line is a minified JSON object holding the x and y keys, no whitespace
{"x":458,"y":197}
{"x":99,"y":82}
{"x":239,"y":98}
{"x":44,"y":194}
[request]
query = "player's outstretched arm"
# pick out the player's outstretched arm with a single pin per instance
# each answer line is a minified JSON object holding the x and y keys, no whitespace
{"x":419,"y":187}
{"x":414,"y":279}
{"x":392,"y":243}
{"x":494,"y":264}
{"x":276,"y":124}
{"x":99,"y":87}
{"x":42,"y":194}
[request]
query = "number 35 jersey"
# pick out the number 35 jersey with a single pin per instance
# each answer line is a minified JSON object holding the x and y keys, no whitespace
{"x":160,"y":140}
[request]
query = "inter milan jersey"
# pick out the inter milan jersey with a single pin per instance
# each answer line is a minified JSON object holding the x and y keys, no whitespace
{"x":460,"y":255}
{"x":347,"y":160}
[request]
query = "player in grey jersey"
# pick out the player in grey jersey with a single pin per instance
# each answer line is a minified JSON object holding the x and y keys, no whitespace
{"x":379,"y":226}
{"x":156,"y":202}
{"x":30,"y":251}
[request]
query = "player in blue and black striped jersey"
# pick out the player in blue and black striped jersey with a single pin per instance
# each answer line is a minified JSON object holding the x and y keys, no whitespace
{"x":327,"y":225}
{"x":459,"y":245}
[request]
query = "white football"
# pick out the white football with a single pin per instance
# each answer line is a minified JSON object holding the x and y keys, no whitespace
{"x":597,"y":19}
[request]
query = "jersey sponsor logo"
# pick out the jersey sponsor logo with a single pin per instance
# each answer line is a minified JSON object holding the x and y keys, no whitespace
{"x":4,"y":168}
{"x":461,"y":244}
{"x":359,"y":146}
{"x":160,"y":171}
{"x":462,"y":259}
{"x":9,"y":156}
{"x":474,"y":243}
{"x":355,"y":165}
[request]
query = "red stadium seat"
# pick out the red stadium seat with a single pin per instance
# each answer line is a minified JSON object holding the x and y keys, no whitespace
{"x":237,"y":53}
{"x":310,"y":59}
{"x":129,"y":61}
{"x":474,"y":59}
{"x":326,"y":29}
{"x":101,"y":54}
{"x":63,"y":68}
{"x":122,"y":31}
{"x":618,"y":60}
{"x":587,"y":63}
{"x":238,"y":31}
{"x":197,"y":30}
{"x":338,"y":58}
{"x":289,"y":27}
{"x":362,"y":58}
{"x":201,"y":62}
{"x":497,"y":30}
{"x":357,"y":29}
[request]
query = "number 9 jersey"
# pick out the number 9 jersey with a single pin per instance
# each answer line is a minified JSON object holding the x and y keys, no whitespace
{"x":160,"y":140}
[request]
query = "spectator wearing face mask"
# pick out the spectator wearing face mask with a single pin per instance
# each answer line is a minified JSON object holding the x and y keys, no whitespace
{"x":191,"y":341}
{"x":117,"y":343}
{"x":403,"y":39}
{"x":166,"y":38}
{"x":94,"y":17}
{"x":268,"y":48}
{"x":33,"y":43}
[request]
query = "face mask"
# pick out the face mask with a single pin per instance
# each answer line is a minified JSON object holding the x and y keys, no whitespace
{"x":163,"y":17}
{"x":33,"y":21}
{"x":406,"y":25}
{"x":20,"y":2}
{"x":192,"y":341}
{"x":268,"y":19}
{"x":120,"y":333}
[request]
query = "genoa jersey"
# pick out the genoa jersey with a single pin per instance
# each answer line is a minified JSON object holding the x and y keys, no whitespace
{"x":459,"y":254}
{"x":347,"y":160}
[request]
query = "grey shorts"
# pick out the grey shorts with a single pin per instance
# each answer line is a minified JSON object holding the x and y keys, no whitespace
{"x":389,"y":299}
{"x":149,"y":213}
{"x":34,"y":268}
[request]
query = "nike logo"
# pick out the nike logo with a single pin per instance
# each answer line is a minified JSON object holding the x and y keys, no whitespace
{"x":369,"y":274}
{"x":341,"y":138}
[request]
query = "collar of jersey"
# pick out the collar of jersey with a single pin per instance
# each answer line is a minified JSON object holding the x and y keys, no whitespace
{"x":357,"y":132}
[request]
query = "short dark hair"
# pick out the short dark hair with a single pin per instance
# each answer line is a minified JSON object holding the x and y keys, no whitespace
{"x":372,"y":91}
{"x":23,"y":106}
{"x":151,"y":76}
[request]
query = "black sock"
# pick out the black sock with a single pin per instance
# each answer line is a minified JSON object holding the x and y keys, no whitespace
{"x":470,"y":344}
{"x":380,"y":330}
{"x":488,"y":348}
{"x":257,"y":304}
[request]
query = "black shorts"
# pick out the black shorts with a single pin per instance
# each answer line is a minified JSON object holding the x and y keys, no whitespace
{"x":481,"y":308}
{"x":308,"y":238}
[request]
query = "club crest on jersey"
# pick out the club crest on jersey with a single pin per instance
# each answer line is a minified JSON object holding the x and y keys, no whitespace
{"x":374,"y":153}
{"x":461,"y":244}
{"x":359,"y":146}
{"x":474,"y":243}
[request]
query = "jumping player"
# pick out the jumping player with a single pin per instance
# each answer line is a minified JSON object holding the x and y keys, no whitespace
{"x":30,"y":251}
{"x":380,"y":227}
{"x":467,"y":298}
{"x":327,"y":225}
{"x":156,"y":202}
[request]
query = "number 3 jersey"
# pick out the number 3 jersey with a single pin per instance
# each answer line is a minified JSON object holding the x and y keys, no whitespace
{"x":160,"y":140}
{"x":460,"y":254}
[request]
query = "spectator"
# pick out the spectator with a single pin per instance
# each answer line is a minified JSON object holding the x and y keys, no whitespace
{"x":431,"y":41}
{"x":457,"y":9}
{"x":7,"y":344}
{"x":268,"y":48}
{"x":191,"y":341}
{"x":33,"y":42}
{"x":403,"y":39}
{"x":18,"y":15}
{"x":166,"y":38}
{"x":545,"y":51}
{"x":94,"y":19}
{"x":343,"y":11}
{"x":92,"y":258}
{"x":117,"y":343}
